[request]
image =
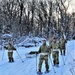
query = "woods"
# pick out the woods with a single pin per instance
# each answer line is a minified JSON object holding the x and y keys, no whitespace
{"x":36,"y":17}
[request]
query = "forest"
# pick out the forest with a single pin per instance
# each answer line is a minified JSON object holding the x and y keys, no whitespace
{"x":36,"y":17}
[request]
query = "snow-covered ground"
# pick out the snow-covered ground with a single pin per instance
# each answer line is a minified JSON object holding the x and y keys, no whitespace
{"x":28,"y":67}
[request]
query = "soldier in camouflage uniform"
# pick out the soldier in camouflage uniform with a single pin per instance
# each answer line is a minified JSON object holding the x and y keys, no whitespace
{"x":62,"y":46}
{"x":10,"y":49}
{"x":55,"y":53}
{"x":44,"y":52}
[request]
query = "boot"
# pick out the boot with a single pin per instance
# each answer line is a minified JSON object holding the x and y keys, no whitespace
{"x":57,"y":64}
{"x":54,"y":62}
{"x":12,"y":60}
{"x":47,"y":70}
{"x":39,"y":71}
{"x":61,"y":52}
{"x":9,"y":59}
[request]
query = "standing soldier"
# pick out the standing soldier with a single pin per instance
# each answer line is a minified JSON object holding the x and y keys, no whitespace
{"x":44,"y":52}
{"x":62,"y":46}
{"x":10,"y":49}
{"x":55,"y":52}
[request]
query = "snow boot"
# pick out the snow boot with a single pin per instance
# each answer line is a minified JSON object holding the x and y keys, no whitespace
{"x":12,"y":59}
{"x":39,"y":72}
{"x":54,"y":62}
{"x":47,"y":71}
{"x":9,"y":59}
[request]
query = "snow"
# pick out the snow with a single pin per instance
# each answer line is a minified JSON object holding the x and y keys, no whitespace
{"x":6,"y":36}
{"x":30,"y":41}
{"x":29,"y":65}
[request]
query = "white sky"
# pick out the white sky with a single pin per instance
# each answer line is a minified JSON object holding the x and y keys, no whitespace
{"x":72,"y":6}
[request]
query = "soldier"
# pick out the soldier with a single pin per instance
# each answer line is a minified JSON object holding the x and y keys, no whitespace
{"x":44,"y":52}
{"x":62,"y":46}
{"x":55,"y":53}
{"x":10,"y":49}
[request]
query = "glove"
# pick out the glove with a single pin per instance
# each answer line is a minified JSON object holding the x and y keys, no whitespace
{"x":37,"y":52}
{"x":14,"y":48}
{"x":5,"y":47}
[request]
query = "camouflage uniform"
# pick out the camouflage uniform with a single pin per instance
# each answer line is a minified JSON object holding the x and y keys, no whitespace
{"x":10,"y":49}
{"x":62,"y":46}
{"x":43,"y":50}
{"x":55,"y":52}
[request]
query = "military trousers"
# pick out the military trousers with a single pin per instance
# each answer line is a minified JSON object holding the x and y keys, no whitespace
{"x":10,"y":56}
{"x":41,"y":60}
{"x":55,"y":56}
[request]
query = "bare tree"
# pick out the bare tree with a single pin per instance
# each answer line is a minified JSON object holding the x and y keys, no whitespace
{"x":39,"y":17}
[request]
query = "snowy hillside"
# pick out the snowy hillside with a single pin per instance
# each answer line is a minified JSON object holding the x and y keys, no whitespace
{"x":28,"y":67}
